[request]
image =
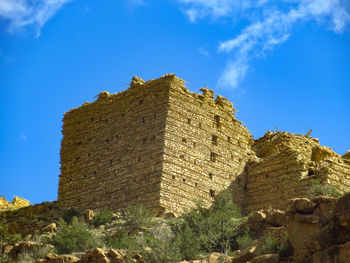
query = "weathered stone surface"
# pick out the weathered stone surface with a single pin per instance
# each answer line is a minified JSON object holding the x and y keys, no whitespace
{"x":16,"y":203}
{"x":342,"y":211}
{"x":95,"y":255}
{"x":334,"y":254}
{"x":288,"y":166}
{"x":155,"y":143}
{"x":49,"y":228}
{"x":246,"y":255}
{"x":304,"y":205}
{"x":268,"y":258}
{"x":53,"y":258}
{"x":116,"y":256}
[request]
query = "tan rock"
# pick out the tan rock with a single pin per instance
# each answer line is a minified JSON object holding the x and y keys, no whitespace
{"x":342,"y":211}
{"x":3,"y":202}
{"x":246,"y":254}
{"x":18,"y":202}
{"x":275,"y":217}
{"x":95,"y":255}
{"x":116,"y":256}
{"x":304,"y":205}
{"x":268,"y":258}
{"x":89,"y":215}
{"x":218,"y":257}
{"x":53,"y":258}
{"x":6,"y":249}
{"x":49,"y":228}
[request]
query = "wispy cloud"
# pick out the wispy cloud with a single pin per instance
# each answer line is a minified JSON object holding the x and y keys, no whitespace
{"x":203,"y":51}
{"x":271,"y":25}
{"x":22,"y":13}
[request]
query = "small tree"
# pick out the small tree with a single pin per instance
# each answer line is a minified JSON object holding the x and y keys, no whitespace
{"x":75,"y":237}
{"x":103,"y":217}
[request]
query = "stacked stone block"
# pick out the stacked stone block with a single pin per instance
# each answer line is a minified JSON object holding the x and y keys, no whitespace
{"x":288,"y":166}
{"x":154,"y":143}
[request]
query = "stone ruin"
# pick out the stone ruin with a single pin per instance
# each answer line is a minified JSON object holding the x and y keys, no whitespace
{"x":158,"y":144}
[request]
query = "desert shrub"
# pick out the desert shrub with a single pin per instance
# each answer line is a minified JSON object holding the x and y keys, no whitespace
{"x":137,"y":217}
{"x":103,"y":217}
{"x":122,"y":240}
{"x":186,"y":239}
{"x":159,"y":245}
{"x":318,"y":189}
{"x":37,"y":253}
{"x":216,"y":226}
{"x":6,"y":237}
{"x":245,"y":240}
{"x":69,"y":214}
{"x":5,"y":259}
{"x":274,"y":245}
{"x":74,"y":237}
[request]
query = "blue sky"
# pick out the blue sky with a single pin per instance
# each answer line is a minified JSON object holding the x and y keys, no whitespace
{"x":284,"y":64}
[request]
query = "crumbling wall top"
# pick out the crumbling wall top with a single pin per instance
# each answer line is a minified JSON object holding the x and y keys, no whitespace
{"x":273,"y":143}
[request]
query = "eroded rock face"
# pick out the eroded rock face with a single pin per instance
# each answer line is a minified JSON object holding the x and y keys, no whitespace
{"x":16,"y":203}
{"x":319,"y":230}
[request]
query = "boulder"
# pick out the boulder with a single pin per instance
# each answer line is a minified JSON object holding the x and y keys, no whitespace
{"x":304,"y":205}
{"x":53,"y":258}
{"x":49,"y":228}
{"x":89,"y":215}
{"x":246,"y":254}
{"x":218,"y":257}
{"x":116,"y":256}
{"x":275,"y":217}
{"x":95,"y":255}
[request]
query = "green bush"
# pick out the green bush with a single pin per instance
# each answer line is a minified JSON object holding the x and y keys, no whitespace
{"x":103,"y":217}
{"x":159,"y":245}
{"x":216,"y":226}
{"x":34,"y":254}
{"x":137,"y":217}
{"x":186,"y":240}
{"x":122,"y":240}
{"x":5,"y":259}
{"x":319,"y":189}
{"x":75,"y":237}
{"x":245,"y":241}
{"x":6,"y":237}
{"x":273,"y":245}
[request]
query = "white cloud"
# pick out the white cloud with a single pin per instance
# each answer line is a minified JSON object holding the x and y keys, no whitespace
{"x":203,"y":51}
{"x":21,"y":13}
{"x":271,"y":25}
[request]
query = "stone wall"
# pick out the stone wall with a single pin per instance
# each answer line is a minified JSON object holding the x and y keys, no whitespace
{"x":155,"y":143}
{"x":158,"y":144}
{"x":206,"y":149}
{"x":288,"y":166}
{"x":112,"y":149}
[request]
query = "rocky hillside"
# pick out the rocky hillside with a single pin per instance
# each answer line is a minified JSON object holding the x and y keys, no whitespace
{"x":307,"y":230}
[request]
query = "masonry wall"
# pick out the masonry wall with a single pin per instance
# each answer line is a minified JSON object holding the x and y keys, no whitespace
{"x":206,"y":149}
{"x":288,"y":166}
{"x":111,"y":154}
